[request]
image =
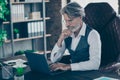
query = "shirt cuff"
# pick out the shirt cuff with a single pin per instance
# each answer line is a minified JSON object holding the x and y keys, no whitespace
{"x":74,"y":66}
{"x":57,"y":47}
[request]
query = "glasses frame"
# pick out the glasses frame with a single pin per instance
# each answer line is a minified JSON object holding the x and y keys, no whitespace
{"x":70,"y":20}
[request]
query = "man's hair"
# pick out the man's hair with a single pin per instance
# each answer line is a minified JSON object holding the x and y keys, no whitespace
{"x":73,"y":10}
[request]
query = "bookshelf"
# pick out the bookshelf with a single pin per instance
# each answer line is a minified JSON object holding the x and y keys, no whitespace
{"x":23,"y":17}
{"x":22,"y":39}
{"x":29,"y":2}
{"x":28,"y":20}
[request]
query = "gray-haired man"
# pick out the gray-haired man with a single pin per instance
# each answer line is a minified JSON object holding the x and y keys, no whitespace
{"x":82,"y":42}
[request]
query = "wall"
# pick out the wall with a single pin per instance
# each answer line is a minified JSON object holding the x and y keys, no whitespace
{"x":22,"y":45}
{"x":54,"y":25}
{"x":119,"y":7}
{"x":113,"y":3}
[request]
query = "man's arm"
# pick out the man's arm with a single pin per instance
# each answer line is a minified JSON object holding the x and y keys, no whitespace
{"x":57,"y":52}
{"x":59,"y":48}
{"x":94,"y":54}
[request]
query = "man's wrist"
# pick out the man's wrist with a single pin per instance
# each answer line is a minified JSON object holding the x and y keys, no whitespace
{"x":59,"y":43}
{"x":68,"y":67}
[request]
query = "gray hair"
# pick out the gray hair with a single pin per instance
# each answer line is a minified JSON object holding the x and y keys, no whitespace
{"x":73,"y":10}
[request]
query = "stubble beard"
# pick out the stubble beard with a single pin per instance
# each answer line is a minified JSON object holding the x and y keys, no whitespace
{"x":74,"y":28}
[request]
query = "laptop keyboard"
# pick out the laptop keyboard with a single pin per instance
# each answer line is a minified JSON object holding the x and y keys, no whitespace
{"x":57,"y":72}
{"x":54,"y":72}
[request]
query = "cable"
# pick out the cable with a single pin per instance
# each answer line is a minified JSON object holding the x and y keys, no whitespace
{"x":6,"y":69}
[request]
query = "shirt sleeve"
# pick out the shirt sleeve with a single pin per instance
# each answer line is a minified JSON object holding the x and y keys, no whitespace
{"x":94,"y":54}
{"x":57,"y":52}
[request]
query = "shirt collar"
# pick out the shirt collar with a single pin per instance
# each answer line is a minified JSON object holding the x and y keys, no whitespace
{"x":82,"y":31}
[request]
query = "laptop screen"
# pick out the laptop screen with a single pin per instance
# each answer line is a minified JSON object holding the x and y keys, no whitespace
{"x":37,"y":62}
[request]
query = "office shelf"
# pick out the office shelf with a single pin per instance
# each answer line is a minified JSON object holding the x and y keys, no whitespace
{"x":29,"y":2}
{"x":29,"y":18}
{"x":23,"y":39}
{"x":26,"y":20}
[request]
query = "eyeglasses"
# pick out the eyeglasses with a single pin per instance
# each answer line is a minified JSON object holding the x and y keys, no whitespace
{"x":68,"y":21}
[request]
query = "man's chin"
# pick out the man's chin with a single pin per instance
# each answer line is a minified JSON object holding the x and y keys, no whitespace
{"x":74,"y":30}
{"x":71,"y":30}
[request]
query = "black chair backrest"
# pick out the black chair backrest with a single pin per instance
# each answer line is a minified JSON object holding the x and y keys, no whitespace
{"x":102,"y":17}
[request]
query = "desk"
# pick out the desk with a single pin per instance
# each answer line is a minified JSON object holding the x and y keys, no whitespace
{"x":76,"y":75}
{"x":87,"y":75}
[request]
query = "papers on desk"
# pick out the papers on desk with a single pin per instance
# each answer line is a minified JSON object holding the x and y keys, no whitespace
{"x":22,"y":65}
{"x":105,"y":78}
{"x":16,"y":60}
{"x":16,"y":63}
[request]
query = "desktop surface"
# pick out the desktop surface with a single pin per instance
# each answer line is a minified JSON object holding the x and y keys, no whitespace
{"x":77,"y":75}
{"x":70,"y":75}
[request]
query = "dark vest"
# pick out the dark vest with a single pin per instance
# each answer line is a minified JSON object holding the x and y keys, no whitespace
{"x":81,"y":52}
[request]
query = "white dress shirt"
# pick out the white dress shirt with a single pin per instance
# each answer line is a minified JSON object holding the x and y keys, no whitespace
{"x":94,"y":51}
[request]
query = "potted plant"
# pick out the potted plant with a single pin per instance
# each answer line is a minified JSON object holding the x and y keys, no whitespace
{"x":3,"y":36}
{"x":16,"y":33}
{"x":21,"y":52}
{"x":4,"y":11}
{"x":19,"y":73}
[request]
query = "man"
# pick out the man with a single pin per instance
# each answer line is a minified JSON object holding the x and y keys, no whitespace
{"x":82,"y":42}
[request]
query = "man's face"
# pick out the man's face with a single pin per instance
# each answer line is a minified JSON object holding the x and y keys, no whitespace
{"x":73,"y":24}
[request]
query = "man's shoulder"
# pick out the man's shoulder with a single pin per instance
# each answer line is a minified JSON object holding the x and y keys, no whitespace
{"x":94,"y":33}
{"x":92,"y":29}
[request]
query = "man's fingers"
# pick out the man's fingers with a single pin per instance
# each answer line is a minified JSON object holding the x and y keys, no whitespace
{"x":53,"y":66}
{"x":56,"y":69}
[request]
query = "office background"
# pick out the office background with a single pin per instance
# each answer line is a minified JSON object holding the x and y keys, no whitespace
{"x":53,"y":23}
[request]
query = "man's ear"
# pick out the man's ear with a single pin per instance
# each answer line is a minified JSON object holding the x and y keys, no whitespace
{"x":84,"y":19}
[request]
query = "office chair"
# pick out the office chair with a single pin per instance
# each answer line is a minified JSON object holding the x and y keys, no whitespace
{"x":103,"y":18}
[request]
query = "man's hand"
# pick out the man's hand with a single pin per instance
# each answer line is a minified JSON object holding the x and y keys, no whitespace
{"x":59,"y":66}
{"x":66,"y":33}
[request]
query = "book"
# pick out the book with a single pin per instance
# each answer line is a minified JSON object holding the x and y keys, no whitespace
{"x":105,"y":78}
{"x":29,"y":32}
{"x":41,"y":28}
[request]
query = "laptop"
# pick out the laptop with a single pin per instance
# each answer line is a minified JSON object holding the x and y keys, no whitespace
{"x":38,"y":63}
